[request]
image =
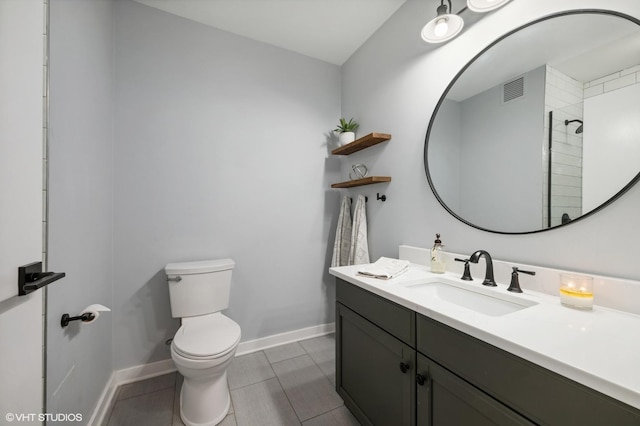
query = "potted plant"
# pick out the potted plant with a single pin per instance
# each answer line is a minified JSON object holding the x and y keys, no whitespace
{"x":347,"y":131}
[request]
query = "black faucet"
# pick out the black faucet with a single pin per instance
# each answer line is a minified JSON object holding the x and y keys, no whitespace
{"x":488,"y":277}
{"x":515,"y":282}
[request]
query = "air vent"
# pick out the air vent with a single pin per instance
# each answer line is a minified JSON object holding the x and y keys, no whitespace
{"x":513,"y":90}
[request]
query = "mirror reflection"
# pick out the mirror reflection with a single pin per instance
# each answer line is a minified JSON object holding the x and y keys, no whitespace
{"x":542,"y":127}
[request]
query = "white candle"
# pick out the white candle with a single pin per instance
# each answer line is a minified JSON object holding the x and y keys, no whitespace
{"x":576,"y":291}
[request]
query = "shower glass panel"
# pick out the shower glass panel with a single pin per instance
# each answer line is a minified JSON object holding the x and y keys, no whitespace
{"x":564,"y":155}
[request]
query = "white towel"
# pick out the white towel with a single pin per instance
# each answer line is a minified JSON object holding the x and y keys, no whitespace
{"x":359,"y":251}
{"x":385,"y":268}
{"x":343,"y":235}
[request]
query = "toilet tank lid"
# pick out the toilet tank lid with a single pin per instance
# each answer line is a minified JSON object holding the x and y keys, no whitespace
{"x":199,"y":267}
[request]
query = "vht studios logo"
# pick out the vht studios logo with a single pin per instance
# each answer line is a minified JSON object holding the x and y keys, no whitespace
{"x":43,"y":417}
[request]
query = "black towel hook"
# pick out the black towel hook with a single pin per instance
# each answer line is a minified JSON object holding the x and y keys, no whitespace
{"x":381,"y":197}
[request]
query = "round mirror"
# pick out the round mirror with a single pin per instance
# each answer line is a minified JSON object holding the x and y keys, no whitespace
{"x":542,"y":127}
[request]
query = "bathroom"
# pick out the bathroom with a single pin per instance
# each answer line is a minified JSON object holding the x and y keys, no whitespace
{"x":153,"y":160}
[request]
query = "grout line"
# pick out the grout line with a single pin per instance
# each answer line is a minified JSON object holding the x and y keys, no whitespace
{"x":286,"y":395}
{"x":261,"y":381}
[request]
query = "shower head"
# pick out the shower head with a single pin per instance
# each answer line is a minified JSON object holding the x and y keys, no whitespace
{"x":580,"y":127}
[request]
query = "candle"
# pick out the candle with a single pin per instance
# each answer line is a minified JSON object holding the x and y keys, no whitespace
{"x":576,"y":291}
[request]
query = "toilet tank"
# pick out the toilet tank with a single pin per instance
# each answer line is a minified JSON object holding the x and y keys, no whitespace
{"x":199,"y":288}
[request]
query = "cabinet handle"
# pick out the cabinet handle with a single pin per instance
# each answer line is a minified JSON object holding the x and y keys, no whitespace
{"x":404,"y":367}
{"x":420,"y":379}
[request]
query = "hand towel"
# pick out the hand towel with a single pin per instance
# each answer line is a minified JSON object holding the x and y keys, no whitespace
{"x":343,"y":235}
{"x":385,"y":268}
{"x":359,"y":250}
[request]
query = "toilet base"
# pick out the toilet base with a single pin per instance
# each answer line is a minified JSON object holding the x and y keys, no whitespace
{"x":204,"y":402}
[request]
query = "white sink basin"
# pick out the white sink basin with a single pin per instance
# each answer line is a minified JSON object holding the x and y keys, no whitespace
{"x":481,"y":300}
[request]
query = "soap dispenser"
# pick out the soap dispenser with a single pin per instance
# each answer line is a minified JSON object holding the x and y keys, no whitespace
{"x":437,"y":261}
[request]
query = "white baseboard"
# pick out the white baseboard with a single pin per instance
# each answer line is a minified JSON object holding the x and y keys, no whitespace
{"x":284,"y":338}
{"x":159,"y":368}
{"x":144,"y":371}
{"x":104,"y":402}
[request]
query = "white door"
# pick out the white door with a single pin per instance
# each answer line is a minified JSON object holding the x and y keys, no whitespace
{"x":21,"y":207}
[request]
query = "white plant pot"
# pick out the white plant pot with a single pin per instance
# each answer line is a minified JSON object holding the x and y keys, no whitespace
{"x":346,"y":137}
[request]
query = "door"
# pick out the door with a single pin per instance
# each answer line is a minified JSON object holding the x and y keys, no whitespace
{"x":375,"y":371}
{"x":21,"y":206}
{"x":444,"y":399}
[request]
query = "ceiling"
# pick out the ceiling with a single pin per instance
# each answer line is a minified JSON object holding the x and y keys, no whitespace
{"x":329,"y":30}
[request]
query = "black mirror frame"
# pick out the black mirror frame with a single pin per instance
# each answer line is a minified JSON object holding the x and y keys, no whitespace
{"x":457,"y":76}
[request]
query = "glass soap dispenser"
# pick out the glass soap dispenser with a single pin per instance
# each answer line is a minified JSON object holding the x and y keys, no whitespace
{"x":437,"y":261}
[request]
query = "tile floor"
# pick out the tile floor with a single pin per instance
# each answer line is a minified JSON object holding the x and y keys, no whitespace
{"x":292,"y":384}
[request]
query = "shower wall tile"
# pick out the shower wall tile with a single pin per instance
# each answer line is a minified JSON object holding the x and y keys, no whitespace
{"x":618,"y":83}
{"x":594,"y":90}
{"x":624,"y":78}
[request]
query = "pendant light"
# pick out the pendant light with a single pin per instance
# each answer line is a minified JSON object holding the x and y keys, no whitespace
{"x":483,"y":6}
{"x":444,"y":26}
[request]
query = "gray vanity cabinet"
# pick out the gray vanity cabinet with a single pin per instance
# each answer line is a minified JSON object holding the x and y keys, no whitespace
{"x":376,"y":374}
{"x":396,"y":367}
{"x":445,"y":399}
{"x":534,"y":392}
{"x":375,"y":370}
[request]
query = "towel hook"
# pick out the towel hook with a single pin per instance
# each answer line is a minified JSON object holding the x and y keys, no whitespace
{"x":381,"y":197}
{"x":366,"y":199}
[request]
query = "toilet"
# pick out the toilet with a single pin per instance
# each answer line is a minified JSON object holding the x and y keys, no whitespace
{"x":206,"y":342}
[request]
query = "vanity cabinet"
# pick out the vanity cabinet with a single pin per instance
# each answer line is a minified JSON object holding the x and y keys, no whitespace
{"x":445,"y":399}
{"x":375,"y":377}
{"x":534,"y":392}
{"x":375,"y":357}
{"x":396,"y":367}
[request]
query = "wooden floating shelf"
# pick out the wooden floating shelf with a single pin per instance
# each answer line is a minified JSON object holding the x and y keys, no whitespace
{"x":359,"y":182}
{"x":361,"y":143}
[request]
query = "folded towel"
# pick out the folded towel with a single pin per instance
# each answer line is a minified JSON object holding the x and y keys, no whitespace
{"x":385,"y":268}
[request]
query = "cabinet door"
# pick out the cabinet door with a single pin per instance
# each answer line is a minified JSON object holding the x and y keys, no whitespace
{"x":375,"y":371}
{"x":444,"y":399}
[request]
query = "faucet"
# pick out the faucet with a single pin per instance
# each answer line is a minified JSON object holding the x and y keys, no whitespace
{"x":488,"y":278}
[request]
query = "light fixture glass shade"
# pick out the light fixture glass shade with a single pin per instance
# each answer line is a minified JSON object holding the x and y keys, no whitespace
{"x":442,"y":28}
{"x":483,"y":6}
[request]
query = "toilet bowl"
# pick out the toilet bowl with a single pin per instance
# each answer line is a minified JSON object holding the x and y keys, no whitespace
{"x":206,"y":342}
{"x":202,"y":349}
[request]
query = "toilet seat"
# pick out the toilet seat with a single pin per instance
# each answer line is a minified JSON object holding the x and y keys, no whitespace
{"x":206,"y":337}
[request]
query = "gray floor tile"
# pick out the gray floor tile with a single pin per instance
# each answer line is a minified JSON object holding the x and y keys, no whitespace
{"x":258,"y":398}
{"x":282,"y":352}
{"x":263,"y":404}
{"x":249,"y":369}
{"x":151,"y":409}
{"x":230,"y":420}
{"x":306,"y":386}
{"x":320,"y":343}
{"x":145,"y":386}
{"x":341,"y":416}
{"x":323,"y":351}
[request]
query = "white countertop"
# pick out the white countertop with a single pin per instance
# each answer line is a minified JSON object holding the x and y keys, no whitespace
{"x":598,"y":348}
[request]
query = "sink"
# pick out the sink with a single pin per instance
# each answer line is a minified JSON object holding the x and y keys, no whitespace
{"x":479,"y":300}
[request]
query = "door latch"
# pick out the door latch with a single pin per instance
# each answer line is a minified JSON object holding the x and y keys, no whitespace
{"x":31,"y":278}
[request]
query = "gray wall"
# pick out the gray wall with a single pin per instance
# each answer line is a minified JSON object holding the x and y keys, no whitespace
{"x":220,"y":151}
{"x":79,"y":357}
{"x":501,"y":152}
{"x":398,"y":95}
{"x":486,"y":156}
{"x":444,"y":146}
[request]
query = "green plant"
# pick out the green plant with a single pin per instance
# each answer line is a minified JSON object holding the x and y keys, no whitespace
{"x":347,"y":126}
